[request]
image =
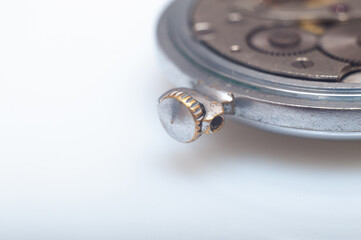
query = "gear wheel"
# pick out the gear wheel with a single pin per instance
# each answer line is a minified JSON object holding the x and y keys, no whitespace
{"x":344,"y":43}
{"x":282,"y":41}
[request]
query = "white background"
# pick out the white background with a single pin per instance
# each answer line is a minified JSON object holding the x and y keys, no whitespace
{"x":83,"y":156}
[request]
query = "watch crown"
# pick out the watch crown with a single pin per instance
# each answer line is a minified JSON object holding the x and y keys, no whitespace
{"x":183,"y":114}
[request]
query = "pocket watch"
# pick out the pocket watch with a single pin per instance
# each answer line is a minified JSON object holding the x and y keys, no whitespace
{"x":291,"y":67}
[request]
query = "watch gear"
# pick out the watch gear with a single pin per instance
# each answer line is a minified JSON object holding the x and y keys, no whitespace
{"x":282,"y":41}
{"x":344,"y":43}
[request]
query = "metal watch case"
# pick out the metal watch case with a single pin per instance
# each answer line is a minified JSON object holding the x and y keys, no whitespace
{"x":290,"y":67}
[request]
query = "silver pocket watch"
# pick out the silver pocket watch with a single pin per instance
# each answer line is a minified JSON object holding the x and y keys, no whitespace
{"x":291,"y":67}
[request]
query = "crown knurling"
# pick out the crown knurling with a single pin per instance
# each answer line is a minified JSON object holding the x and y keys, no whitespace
{"x":193,"y":106}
